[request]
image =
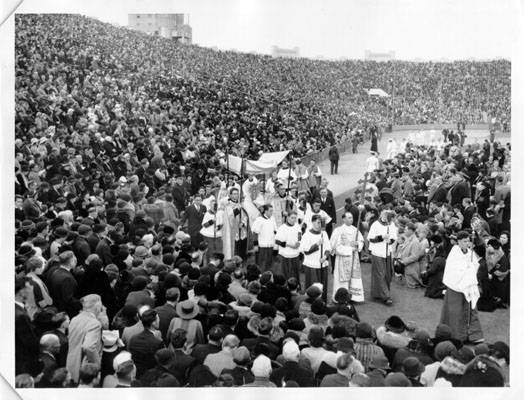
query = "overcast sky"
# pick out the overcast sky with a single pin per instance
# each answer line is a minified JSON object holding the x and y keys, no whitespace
{"x":425,"y":29}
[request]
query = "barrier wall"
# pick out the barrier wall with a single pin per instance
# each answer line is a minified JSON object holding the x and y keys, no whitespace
{"x":343,"y":147}
{"x":438,"y":127}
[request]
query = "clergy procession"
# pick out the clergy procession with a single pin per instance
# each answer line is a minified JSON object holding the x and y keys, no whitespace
{"x":213,"y":229}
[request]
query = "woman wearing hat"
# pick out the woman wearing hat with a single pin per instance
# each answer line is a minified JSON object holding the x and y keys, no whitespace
{"x":187,"y":311}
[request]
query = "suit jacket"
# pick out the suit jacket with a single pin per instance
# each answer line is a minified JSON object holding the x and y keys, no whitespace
{"x":85,"y":341}
{"x":165,"y":313}
{"x":63,"y":288}
{"x":93,"y":240}
{"x":48,"y":365}
{"x":179,"y":197}
{"x":182,"y":366}
{"x":329,"y":207}
{"x":26,"y":343}
{"x":81,"y":249}
{"x":151,"y":376}
{"x":194,"y":219}
{"x":142,"y":348}
{"x":201,"y":351}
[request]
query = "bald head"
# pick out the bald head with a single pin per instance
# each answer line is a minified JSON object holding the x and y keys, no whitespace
{"x":50,"y":342}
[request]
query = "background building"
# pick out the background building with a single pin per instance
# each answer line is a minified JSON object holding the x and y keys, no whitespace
{"x":175,"y":26}
{"x":374,"y":56}
{"x":280,"y":52}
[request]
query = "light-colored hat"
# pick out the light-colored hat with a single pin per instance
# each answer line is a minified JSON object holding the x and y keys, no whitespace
{"x":290,"y":351}
{"x":111,"y":340}
{"x":261,"y":366}
{"x":121,"y":358}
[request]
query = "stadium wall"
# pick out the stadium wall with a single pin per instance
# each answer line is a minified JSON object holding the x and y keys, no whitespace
{"x":438,"y":127}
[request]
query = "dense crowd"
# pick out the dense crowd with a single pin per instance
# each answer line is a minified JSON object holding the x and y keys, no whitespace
{"x":140,"y":261}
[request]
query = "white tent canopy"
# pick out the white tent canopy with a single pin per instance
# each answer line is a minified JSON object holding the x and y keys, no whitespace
{"x":265,"y":164}
{"x":377,"y":92}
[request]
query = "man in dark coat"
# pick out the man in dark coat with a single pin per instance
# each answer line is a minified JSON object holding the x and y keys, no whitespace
{"x":180,"y":194}
{"x":333,"y":158}
{"x":81,"y":246}
{"x":213,"y":345}
{"x":166,"y":312}
{"x":193,"y":215}
{"x":144,"y":345}
{"x":63,"y":286}
{"x":328,"y":205}
{"x":26,"y":340}
{"x":164,"y":359}
{"x":182,"y":363}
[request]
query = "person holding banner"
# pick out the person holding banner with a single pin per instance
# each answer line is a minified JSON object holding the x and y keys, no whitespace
{"x":316,"y":248}
{"x":346,"y":242}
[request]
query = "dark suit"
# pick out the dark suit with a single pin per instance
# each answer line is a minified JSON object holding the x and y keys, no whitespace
{"x":182,"y":365}
{"x":143,"y":347}
{"x":194,"y":223}
{"x":179,"y":197}
{"x":165,"y":313}
{"x":48,"y":366}
{"x":81,"y":249}
{"x":93,"y":240}
{"x":104,"y":251}
{"x":26,"y":343}
{"x":63,"y":288}
{"x":329,"y":207}
{"x":151,"y":376}
{"x":201,"y":351}
{"x":292,"y":371}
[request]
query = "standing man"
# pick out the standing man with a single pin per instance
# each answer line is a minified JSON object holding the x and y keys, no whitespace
{"x":63,"y":286}
{"x":382,"y":234}
{"x":316,"y":248}
{"x":85,"y":335}
{"x":346,"y":243}
{"x":327,"y":204}
{"x":234,"y":230}
{"x":288,"y":240}
{"x":265,"y":227}
{"x":333,"y":158}
{"x":194,"y":215}
{"x":459,"y":310}
{"x":212,"y":227}
{"x":315,"y":210}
